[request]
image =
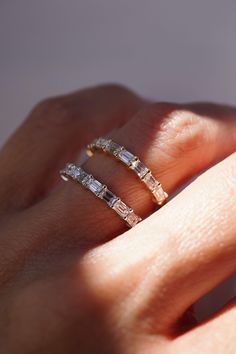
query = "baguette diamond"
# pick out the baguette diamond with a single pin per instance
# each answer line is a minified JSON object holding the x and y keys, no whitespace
{"x":130,"y":160}
{"x":121,"y":208}
{"x":95,"y":186}
{"x":109,"y":197}
{"x":132,"y":219}
{"x":102,"y":192}
{"x":150,"y":181}
{"x":139,"y":168}
{"x":126,"y":157}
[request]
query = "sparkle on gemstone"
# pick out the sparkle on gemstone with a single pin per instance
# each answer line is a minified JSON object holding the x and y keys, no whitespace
{"x":113,"y":147}
{"x":101,"y":143}
{"x":109,"y":197}
{"x":86,"y":180}
{"x":76,"y":172}
{"x":150,"y":181}
{"x":82,"y":176}
{"x":95,"y":186}
{"x":159,"y":194}
{"x":132,"y":219}
{"x":126,"y":157}
{"x":139,"y":168}
{"x":121,"y":208}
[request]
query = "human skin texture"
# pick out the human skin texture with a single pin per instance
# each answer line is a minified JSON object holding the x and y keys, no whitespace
{"x":73,"y":279}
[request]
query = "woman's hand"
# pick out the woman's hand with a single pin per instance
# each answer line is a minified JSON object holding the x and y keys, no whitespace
{"x":68,"y":283}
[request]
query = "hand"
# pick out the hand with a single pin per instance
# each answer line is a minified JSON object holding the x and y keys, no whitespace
{"x":72,"y":281}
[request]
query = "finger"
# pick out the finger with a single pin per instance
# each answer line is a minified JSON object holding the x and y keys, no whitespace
{"x":54,"y":132}
{"x":172,"y":140}
{"x":183,"y":251}
{"x":220,"y":329}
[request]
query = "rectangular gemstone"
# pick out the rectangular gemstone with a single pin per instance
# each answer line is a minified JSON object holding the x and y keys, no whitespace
{"x":126,"y":157}
{"x":132,"y":219}
{"x":139,"y":168}
{"x":109,"y":197}
{"x":76,"y":173}
{"x":150,"y":181}
{"x":86,"y":180}
{"x":95,"y":186}
{"x":101,"y":143}
{"x":72,"y":170}
{"x":112,"y":147}
{"x":159,"y":194}
{"x":82,"y":176}
{"x":121,"y":208}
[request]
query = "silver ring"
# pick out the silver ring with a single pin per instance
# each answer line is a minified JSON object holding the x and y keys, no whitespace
{"x":101,"y":191}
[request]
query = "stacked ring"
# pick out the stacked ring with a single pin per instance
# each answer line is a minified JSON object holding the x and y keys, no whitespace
{"x":133,"y":162}
{"x":77,"y":174}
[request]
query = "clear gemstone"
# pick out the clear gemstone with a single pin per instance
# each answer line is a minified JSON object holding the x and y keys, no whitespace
{"x":121,"y":208}
{"x":82,"y":176}
{"x":159,"y":194}
{"x":95,"y":186}
{"x":150,"y":181}
{"x":132,"y":219}
{"x":86,"y":180}
{"x":113,"y":147}
{"x":139,"y":168}
{"x":126,"y":157}
{"x":69,"y":167}
{"x":109,"y":197}
{"x":101,"y":143}
{"x":75,"y":172}
{"x":97,"y":142}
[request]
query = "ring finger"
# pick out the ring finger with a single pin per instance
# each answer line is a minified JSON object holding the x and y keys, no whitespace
{"x":175,"y":141}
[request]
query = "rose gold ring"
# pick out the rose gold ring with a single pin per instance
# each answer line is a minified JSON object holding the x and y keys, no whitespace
{"x":133,"y":162}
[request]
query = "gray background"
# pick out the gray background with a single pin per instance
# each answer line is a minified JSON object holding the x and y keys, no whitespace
{"x":175,"y":50}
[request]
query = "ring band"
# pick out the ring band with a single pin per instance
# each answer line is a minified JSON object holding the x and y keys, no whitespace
{"x":133,"y":162}
{"x":77,"y":174}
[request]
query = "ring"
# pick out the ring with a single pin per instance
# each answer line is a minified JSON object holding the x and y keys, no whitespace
{"x":100,"y":190}
{"x":133,"y":162}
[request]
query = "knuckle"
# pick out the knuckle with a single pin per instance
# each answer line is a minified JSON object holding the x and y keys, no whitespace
{"x":183,"y":131}
{"x":173,"y":128}
{"x":154,"y":113}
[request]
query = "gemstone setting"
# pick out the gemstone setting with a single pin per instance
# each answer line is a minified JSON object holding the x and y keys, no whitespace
{"x":113,"y":148}
{"x":126,"y":157}
{"x":139,"y":168}
{"x":150,"y":181}
{"x":132,"y":219}
{"x":95,"y":186}
{"x":121,"y":208}
{"x":109,"y":197}
{"x":159,"y":194}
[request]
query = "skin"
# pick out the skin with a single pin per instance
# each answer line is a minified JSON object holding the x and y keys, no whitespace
{"x":73,"y":279}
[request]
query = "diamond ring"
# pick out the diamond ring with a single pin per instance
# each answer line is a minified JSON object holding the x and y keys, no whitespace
{"x":100,"y":190}
{"x":133,"y":162}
